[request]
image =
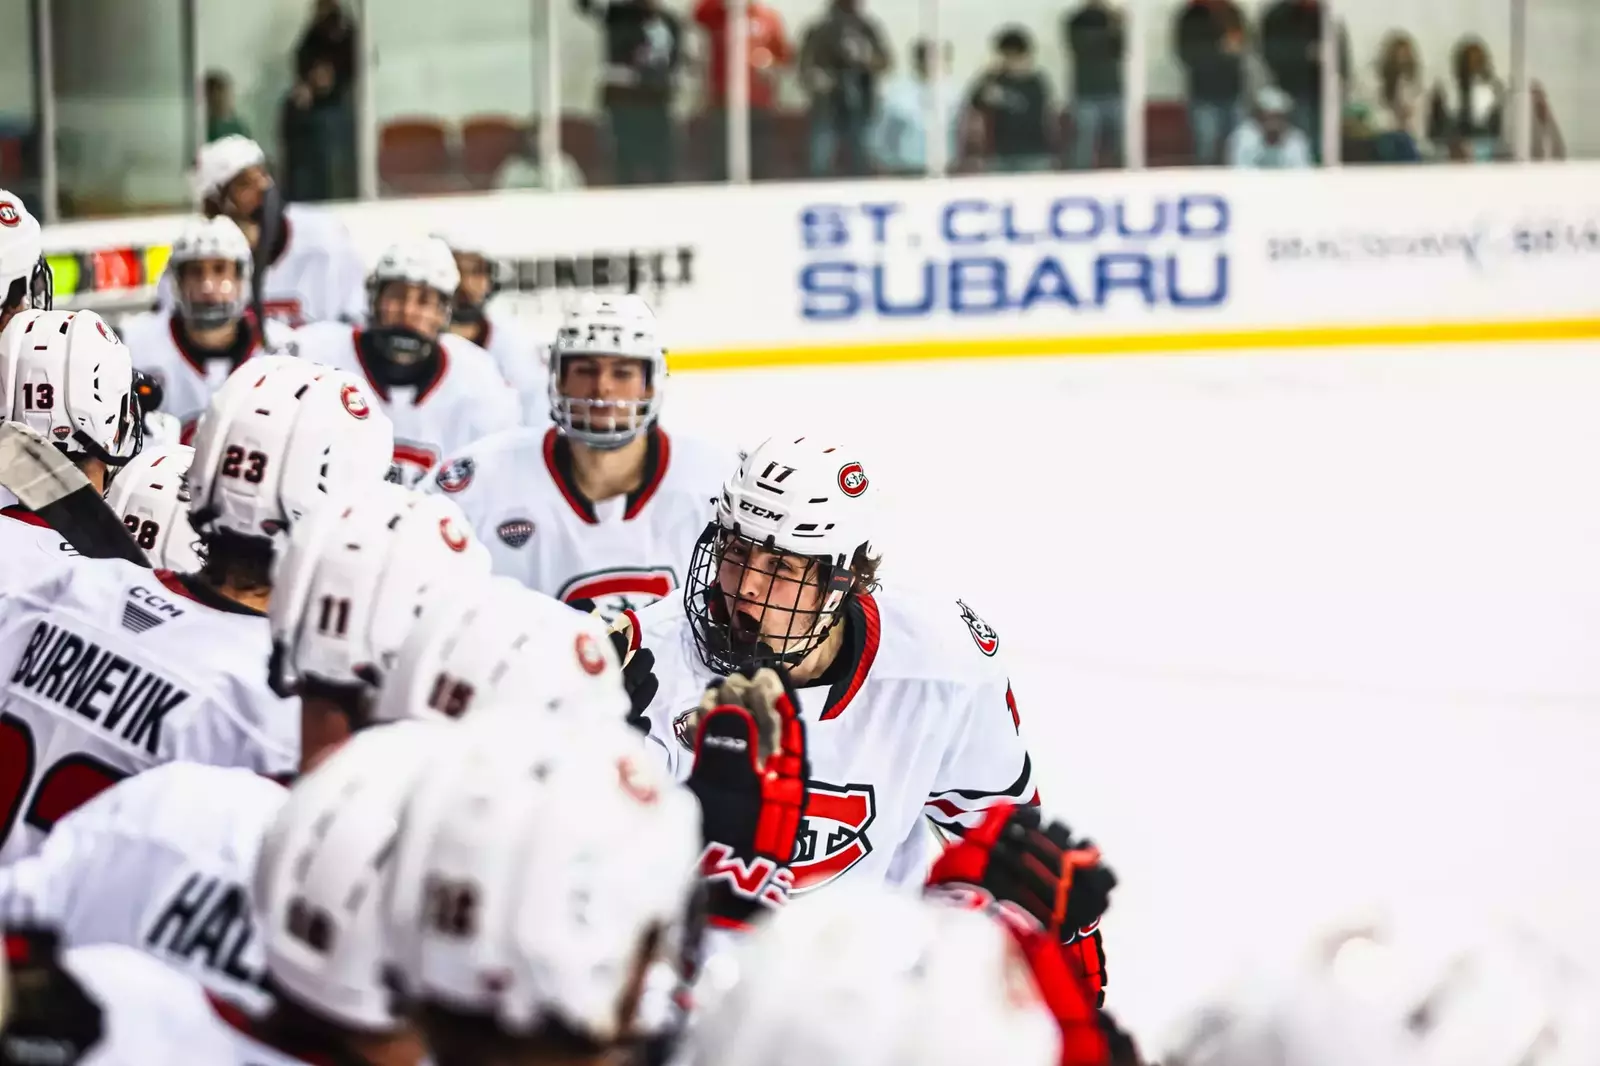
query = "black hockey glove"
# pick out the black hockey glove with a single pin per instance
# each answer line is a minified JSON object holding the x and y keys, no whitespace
{"x":50,"y":1018}
{"x":750,"y":772}
{"x":638,"y":667}
{"x":1018,"y":862}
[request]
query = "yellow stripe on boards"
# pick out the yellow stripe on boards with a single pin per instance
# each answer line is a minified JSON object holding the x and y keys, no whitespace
{"x":1099,"y":345}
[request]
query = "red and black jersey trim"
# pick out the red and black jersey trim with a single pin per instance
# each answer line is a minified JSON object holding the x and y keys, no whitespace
{"x":190,"y":587}
{"x":558,"y":460}
{"x":245,"y":342}
{"x":25,"y":516}
{"x":240,"y":1022}
{"x":956,"y":802}
{"x":863,"y":635}
{"x":424,"y":388}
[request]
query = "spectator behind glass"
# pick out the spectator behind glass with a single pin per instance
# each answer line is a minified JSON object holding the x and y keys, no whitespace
{"x":769,"y":53}
{"x":644,"y":51}
{"x":841,"y":57}
{"x":1094,"y":40}
{"x":1466,"y":114}
{"x":221,"y":118}
{"x":900,"y":134}
{"x":1269,"y":139}
{"x":1211,"y":46}
{"x":318,"y":131}
{"x":1393,"y":110}
{"x":1012,"y":100}
{"x":329,"y":38}
{"x":1291,"y":44}
{"x":521,"y":171}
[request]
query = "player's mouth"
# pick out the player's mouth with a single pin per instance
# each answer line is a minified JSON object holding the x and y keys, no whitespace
{"x":746,"y":627}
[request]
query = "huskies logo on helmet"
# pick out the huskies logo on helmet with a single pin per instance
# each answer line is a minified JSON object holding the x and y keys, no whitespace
{"x":515,"y":532}
{"x":852,"y":479}
{"x":834,"y":836}
{"x":983,"y":633}
{"x":590,"y":656}
{"x":620,"y":588}
{"x":454,"y":539}
{"x":9,"y":215}
{"x":455,"y":475}
{"x":354,"y":402}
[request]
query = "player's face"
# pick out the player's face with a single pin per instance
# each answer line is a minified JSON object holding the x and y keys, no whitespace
{"x":602,"y":379}
{"x":475,"y":278}
{"x":415,"y":307}
{"x":771,"y":596}
{"x":244,"y":193}
{"x":209,"y":281}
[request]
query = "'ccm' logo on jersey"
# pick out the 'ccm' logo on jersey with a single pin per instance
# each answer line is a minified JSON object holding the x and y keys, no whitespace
{"x":98,"y":684}
{"x":207,"y":922}
{"x":834,"y":837}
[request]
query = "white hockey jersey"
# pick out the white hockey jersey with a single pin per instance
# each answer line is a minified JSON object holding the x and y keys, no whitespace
{"x":523,"y":361}
{"x":163,"y":862}
{"x":318,"y":276}
{"x":152,"y":1013}
{"x":161,"y":349}
{"x":108,"y":669}
{"x":28,"y":546}
{"x":916,"y":721}
{"x":466,"y":400}
{"x":518,"y":491}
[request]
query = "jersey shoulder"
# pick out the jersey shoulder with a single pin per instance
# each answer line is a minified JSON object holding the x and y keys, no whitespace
{"x":147,"y":333}
{"x":927,"y":636}
{"x":148,"y":1009}
{"x":698,"y":466}
{"x":475,"y":366}
{"x":196,"y":808}
{"x":317,"y":228}
{"x":511,"y":455}
{"x":324,"y":339}
{"x":279,"y":333}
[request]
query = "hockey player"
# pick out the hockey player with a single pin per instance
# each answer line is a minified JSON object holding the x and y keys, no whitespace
{"x":441,"y":390}
{"x":163,"y":861}
{"x":25,"y":280}
{"x":911,"y":711}
{"x":67,"y":376}
{"x":523,"y":361}
{"x":603,"y":508}
{"x":313,"y":272}
{"x":111,"y":669}
{"x":191,"y":349}
{"x":149,"y":495}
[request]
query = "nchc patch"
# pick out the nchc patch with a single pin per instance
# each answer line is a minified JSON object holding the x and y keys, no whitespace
{"x":983,"y":633}
{"x":515,"y":532}
{"x":455,"y":475}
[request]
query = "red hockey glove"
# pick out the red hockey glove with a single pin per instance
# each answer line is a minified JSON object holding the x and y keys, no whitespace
{"x":1015,"y":862}
{"x":750,"y":772}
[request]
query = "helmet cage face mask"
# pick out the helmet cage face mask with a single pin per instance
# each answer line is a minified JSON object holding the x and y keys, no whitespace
{"x":211,"y":314}
{"x":36,"y":292}
{"x":731,"y":640}
{"x":602,"y":424}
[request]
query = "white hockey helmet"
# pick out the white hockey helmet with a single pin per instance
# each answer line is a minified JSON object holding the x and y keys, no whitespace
{"x":616,"y":325}
{"x":150,"y":495}
{"x":427,"y":261}
{"x":319,"y":874}
{"x":280,"y":436}
{"x":902,"y":981}
{"x":25,"y":279}
{"x":69,"y":377}
{"x":502,"y":644}
{"x":1466,"y":993}
{"x":801,"y":496}
{"x":504,"y":903}
{"x":203,"y":239}
{"x":353,"y":577}
{"x":219,"y":162}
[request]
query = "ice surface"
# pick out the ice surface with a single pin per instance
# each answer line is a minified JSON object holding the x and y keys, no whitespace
{"x":1290,"y":632}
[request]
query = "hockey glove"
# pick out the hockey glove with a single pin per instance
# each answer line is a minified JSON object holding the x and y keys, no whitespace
{"x":750,"y":772}
{"x":638,"y":667}
{"x":1017,"y":862}
{"x":50,"y":1018}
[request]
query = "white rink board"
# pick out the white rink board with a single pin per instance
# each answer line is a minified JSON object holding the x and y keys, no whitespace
{"x":1325,"y":625}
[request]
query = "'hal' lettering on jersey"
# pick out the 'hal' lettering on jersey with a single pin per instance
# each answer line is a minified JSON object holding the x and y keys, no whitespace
{"x":97,"y":684}
{"x":207,"y":921}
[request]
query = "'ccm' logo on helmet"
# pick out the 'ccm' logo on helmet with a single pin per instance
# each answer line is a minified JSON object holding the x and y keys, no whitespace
{"x":852,"y":479}
{"x":758,"y":511}
{"x":354,"y":402}
{"x":9,"y":216}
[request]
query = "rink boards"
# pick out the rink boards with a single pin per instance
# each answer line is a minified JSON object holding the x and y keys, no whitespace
{"x":1051,"y":265}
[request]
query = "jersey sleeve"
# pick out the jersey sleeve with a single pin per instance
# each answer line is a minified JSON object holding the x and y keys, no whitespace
{"x":350,"y":283}
{"x":987,"y":761}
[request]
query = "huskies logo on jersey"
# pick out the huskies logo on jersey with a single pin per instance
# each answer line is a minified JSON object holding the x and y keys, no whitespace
{"x":834,"y":836}
{"x":983,"y":633}
{"x":620,"y":588}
